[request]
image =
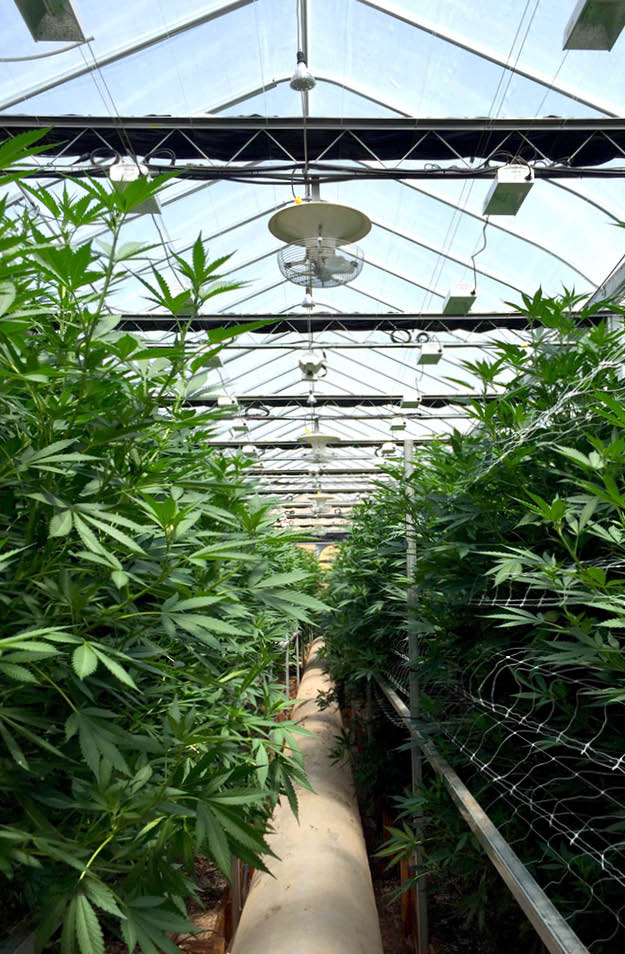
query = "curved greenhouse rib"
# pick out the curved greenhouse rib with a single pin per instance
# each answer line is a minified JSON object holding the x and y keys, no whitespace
{"x":494,"y":225}
{"x":321,"y":76}
{"x":486,"y":53}
{"x":439,"y":251}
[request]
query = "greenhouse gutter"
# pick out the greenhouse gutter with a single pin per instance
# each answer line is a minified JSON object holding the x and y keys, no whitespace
{"x":548,"y":923}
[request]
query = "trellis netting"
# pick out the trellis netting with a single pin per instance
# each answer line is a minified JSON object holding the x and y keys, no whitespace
{"x":520,"y":606}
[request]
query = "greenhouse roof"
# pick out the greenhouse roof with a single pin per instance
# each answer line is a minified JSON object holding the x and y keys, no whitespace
{"x":415,"y":107}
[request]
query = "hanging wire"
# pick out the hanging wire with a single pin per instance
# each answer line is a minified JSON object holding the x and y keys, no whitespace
{"x":43,"y":56}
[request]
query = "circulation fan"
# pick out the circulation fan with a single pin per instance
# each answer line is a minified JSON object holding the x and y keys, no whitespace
{"x":319,"y":264}
{"x":319,"y":252}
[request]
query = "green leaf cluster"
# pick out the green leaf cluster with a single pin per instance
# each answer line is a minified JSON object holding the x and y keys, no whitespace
{"x":145,"y":595}
{"x":518,"y":594}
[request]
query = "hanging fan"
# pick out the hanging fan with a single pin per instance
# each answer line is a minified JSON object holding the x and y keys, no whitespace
{"x":319,"y":253}
{"x":319,"y":264}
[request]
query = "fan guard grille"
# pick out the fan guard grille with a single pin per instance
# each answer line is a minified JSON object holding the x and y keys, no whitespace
{"x":318,"y":263}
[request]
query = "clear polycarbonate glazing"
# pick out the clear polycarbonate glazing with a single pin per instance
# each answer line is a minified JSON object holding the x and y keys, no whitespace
{"x":437,"y":59}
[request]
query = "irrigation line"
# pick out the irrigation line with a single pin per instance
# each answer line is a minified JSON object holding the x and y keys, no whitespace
{"x":553,"y":930}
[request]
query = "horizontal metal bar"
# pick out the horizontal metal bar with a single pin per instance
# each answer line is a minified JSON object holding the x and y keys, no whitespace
{"x":311,"y":491}
{"x":326,"y":400}
{"x":251,"y":124}
{"x":472,"y":46}
{"x":331,"y":472}
{"x":575,"y":144}
{"x":359,"y":346}
{"x":292,"y":445}
{"x":414,"y":416}
{"x":321,"y":321}
{"x":546,"y":920}
{"x":172,"y":29}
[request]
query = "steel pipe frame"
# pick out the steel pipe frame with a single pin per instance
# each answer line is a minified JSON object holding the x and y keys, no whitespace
{"x":485,"y":53}
{"x":175,"y":28}
{"x":497,"y":225}
{"x":292,"y":445}
{"x":354,"y":346}
{"x":338,"y":400}
{"x":305,"y":471}
{"x":478,"y":323}
{"x":553,"y":930}
{"x":266,"y":492}
{"x":612,"y":129}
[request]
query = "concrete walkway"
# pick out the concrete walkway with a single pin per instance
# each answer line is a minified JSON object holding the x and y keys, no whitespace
{"x":320,"y":900}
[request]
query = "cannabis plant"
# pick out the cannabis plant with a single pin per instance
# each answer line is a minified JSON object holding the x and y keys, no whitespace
{"x":520,"y":603}
{"x":146,"y":591}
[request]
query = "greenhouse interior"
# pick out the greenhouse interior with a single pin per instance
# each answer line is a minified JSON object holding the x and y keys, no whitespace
{"x":312,"y":509}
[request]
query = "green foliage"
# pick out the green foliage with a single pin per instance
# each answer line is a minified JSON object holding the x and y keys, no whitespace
{"x":519,"y":590}
{"x":145,"y":595}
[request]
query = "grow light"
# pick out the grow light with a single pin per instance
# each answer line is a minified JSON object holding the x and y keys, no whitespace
{"x":509,"y":189}
{"x":431,"y":352}
{"x":52,"y":20}
{"x":249,"y":450}
{"x":240,"y":426}
{"x":398,"y":423}
{"x":412,"y":399}
{"x":226,"y":400}
{"x":302,"y":80}
{"x":126,"y":171}
{"x":595,"y":25}
{"x":459,"y":299}
{"x":388,"y":449}
{"x":312,"y":364}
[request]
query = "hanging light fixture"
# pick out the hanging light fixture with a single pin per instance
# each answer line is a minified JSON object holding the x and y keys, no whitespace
{"x":459,"y":299}
{"x":302,"y":80}
{"x":51,"y":20}
{"x":431,"y":349}
{"x":313,"y":364}
{"x":239,"y":425}
{"x":226,"y":400}
{"x":125,"y":171}
{"x":595,"y":25}
{"x":509,"y":189}
{"x":387,"y":449}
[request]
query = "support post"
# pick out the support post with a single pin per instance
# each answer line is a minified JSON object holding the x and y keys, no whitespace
{"x":414,"y":704}
{"x":297,"y":660}
{"x":235,"y":878}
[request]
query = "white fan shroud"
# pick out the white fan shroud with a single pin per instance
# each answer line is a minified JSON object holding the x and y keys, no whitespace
{"x":319,"y":263}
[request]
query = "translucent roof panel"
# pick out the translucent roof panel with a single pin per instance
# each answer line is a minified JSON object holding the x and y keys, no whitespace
{"x":377,"y":60}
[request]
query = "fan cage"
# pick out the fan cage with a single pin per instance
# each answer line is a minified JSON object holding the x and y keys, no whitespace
{"x":319,"y":263}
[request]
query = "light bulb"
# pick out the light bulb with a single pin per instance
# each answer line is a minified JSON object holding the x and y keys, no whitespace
{"x":302,"y":79}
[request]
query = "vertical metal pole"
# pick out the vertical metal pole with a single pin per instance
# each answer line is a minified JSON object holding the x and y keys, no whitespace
{"x":235,"y":878}
{"x":297,"y":656}
{"x":414,"y":703}
{"x":286,"y":667}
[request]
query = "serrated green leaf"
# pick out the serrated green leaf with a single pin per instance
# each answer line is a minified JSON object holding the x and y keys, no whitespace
{"x":84,"y":660}
{"x":113,"y":667}
{"x":61,"y":524}
{"x":88,"y":930}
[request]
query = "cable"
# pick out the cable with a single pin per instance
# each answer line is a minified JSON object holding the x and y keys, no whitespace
{"x":479,"y":252}
{"x":42,"y":56}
